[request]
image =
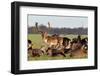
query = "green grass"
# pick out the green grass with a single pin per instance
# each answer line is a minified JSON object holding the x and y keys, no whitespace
{"x":37,"y":43}
{"x":45,"y":57}
{"x":75,"y":36}
{"x":36,"y":40}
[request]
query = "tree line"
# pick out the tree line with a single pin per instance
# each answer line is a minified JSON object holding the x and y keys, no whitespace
{"x":63,"y":30}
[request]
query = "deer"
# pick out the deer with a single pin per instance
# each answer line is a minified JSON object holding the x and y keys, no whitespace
{"x":49,"y":40}
{"x":35,"y":51}
{"x":55,"y":52}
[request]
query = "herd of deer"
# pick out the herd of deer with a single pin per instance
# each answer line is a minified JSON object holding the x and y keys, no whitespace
{"x":58,"y":45}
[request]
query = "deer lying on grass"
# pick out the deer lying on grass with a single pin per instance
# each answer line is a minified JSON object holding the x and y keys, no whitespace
{"x":79,"y":46}
{"x":34,"y":51}
{"x":52,"y":51}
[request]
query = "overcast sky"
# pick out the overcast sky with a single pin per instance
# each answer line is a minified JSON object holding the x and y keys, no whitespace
{"x":59,"y":21}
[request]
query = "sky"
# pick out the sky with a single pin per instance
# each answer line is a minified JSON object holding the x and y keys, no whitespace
{"x":58,"y":21}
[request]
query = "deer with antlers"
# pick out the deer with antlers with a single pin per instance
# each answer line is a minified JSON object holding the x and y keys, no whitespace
{"x":49,"y":40}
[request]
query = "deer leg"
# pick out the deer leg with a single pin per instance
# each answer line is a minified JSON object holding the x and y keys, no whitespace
{"x":63,"y":54}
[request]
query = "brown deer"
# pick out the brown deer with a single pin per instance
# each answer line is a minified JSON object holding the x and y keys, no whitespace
{"x":49,"y":40}
{"x":55,"y":52}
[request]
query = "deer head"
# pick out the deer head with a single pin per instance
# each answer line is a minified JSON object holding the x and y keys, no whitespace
{"x":43,"y":33}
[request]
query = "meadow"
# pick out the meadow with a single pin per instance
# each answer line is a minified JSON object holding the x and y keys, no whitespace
{"x":37,"y":43}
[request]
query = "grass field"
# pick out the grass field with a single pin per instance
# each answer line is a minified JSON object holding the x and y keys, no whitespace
{"x":37,"y":43}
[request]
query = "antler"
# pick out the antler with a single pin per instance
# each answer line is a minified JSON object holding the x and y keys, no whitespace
{"x":36,"y":24}
{"x":49,"y":26}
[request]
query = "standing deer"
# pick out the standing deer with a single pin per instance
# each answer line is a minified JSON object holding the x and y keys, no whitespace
{"x":49,"y":40}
